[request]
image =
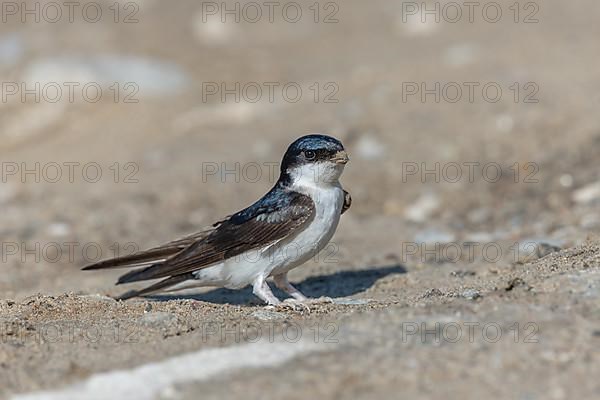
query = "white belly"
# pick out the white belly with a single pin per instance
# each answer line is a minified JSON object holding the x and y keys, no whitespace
{"x":298,"y":250}
{"x":286,"y":254}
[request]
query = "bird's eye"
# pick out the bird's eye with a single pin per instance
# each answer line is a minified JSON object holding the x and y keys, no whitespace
{"x":310,"y":155}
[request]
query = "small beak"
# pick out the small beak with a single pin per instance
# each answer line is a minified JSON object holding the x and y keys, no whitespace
{"x":341,"y":157}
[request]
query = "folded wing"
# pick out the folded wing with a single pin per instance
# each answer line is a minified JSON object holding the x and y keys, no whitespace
{"x":254,"y":228}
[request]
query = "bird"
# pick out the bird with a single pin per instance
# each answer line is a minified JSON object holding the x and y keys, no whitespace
{"x":285,"y":228}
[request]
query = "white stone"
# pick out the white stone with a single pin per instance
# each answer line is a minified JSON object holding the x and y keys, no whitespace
{"x":59,"y":229}
{"x":369,"y":148}
{"x":209,"y":29}
{"x":587,"y":194}
{"x":413,"y":25}
{"x":434,"y":236}
{"x":505,"y":123}
{"x":566,"y":180}
{"x":459,"y":55}
{"x":423,"y":208}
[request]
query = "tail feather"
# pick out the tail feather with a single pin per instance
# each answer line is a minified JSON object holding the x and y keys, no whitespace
{"x":151,"y":259}
{"x":141,"y":274}
{"x":132,"y":261}
{"x":151,"y":256}
{"x":165,"y":283}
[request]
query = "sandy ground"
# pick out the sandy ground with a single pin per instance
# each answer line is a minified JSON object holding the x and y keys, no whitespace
{"x":481,"y":285}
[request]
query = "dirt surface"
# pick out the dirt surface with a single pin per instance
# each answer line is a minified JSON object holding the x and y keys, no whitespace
{"x":420,"y":262}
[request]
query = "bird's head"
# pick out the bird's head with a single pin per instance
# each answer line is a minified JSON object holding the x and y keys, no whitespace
{"x":314,"y":159}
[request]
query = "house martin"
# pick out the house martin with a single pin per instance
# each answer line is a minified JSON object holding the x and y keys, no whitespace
{"x":281,"y":231}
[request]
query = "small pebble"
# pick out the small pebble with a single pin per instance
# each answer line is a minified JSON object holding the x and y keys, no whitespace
{"x":471,"y":294}
{"x":351,"y":302}
{"x":158,"y":318}
{"x":462,"y":274}
{"x":265,"y":315}
{"x":98,"y":297}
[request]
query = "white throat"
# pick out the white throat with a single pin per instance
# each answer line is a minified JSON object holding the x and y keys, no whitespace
{"x":313,"y":176}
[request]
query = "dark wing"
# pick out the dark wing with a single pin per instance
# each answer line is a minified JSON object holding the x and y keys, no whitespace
{"x":151,"y":256}
{"x":263,"y":223}
{"x":347,"y":202}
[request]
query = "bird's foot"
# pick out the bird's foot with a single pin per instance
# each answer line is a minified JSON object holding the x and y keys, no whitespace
{"x":272,"y":304}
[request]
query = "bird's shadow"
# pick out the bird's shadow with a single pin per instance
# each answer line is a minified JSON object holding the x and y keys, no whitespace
{"x":338,"y":284}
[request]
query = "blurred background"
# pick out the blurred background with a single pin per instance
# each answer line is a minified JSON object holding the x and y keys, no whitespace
{"x":164,"y":99}
{"x":127,"y":124}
